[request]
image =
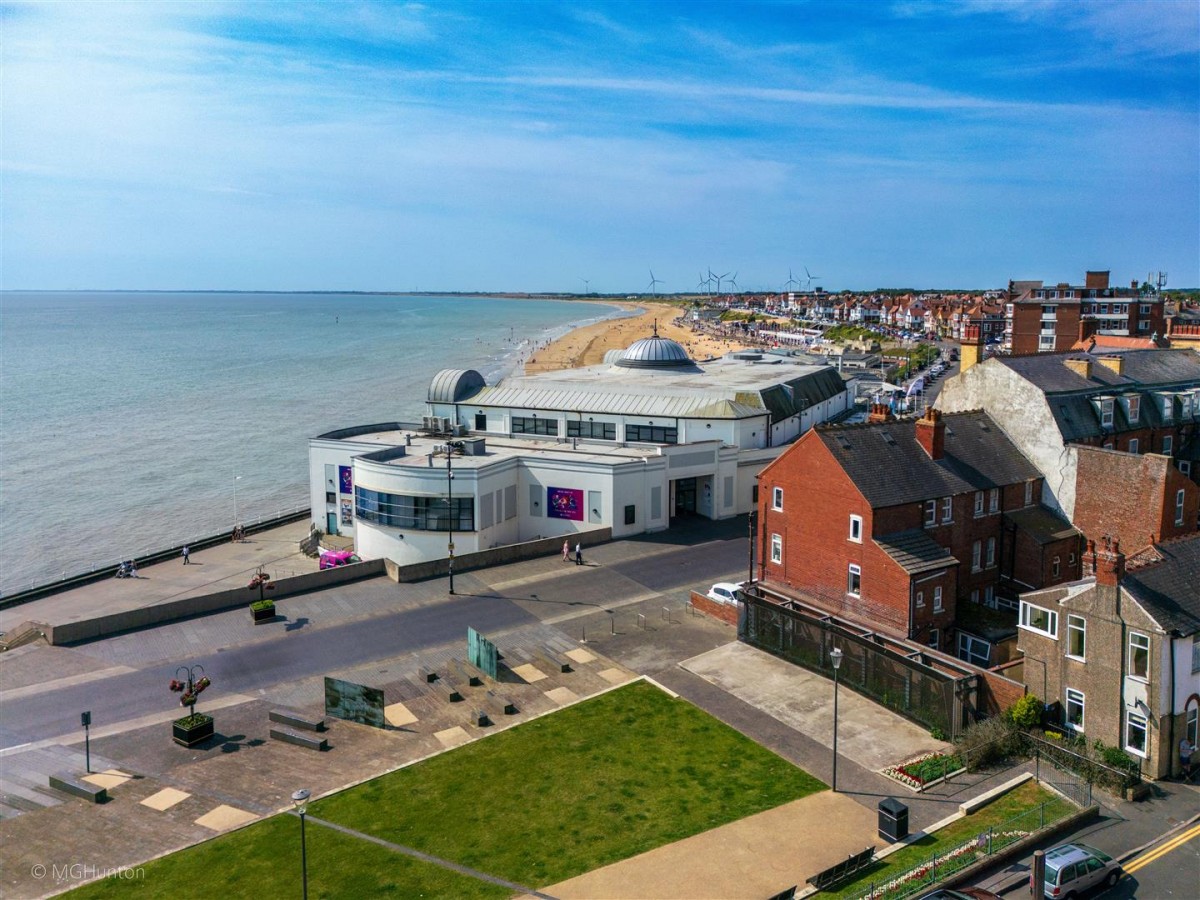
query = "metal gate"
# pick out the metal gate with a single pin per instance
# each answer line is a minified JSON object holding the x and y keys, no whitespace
{"x":1072,"y":785}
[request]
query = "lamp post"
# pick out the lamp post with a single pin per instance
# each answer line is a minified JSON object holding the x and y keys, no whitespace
{"x":449,"y":514}
{"x":753,"y":535}
{"x":85,"y":719}
{"x":299,"y":799}
{"x":835,"y":657}
{"x":236,"y":479}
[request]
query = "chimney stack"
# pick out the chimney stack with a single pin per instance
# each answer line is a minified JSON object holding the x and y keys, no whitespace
{"x":1108,"y":563}
{"x":931,"y":433}
{"x":880,"y":412}
{"x":1087,"y":327}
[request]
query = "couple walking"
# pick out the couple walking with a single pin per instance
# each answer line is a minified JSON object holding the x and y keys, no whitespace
{"x":567,"y":553}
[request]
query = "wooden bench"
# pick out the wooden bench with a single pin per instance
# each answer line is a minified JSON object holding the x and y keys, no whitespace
{"x":836,"y":874}
{"x":295,"y":720}
{"x":428,"y":675}
{"x":77,"y":787}
{"x":309,"y":741}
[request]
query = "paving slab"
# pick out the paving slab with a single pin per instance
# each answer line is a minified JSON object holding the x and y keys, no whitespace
{"x":530,"y":673}
{"x":398,"y":715}
{"x":453,"y":737}
{"x":562,"y":695}
{"x":225,"y":817}
{"x":165,"y":799}
{"x":615,"y":676}
{"x":581,"y":656}
{"x":108,"y":779}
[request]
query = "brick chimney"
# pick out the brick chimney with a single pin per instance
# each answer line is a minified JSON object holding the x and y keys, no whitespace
{"x":880,"y":412}
{"x":1087,"y":327}
{"x":931,"y":433}
{"x":1106,"y":563}
{"x":1081,"y":365}
{"x":1115,"y":363}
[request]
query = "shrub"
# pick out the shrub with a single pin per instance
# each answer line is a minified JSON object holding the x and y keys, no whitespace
{"x":937,"y":733}
{"x":259,"y":605}
{"x":1026,"y":712}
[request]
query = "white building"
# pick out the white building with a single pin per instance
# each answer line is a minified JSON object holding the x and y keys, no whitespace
{"x":630,"y":444}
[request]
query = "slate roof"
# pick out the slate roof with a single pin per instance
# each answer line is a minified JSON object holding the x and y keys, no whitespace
{"x":1170,"y":590}
{"x":1042,"y":524}
{"x":1146,"y":368}
{"x":915,"y":551}
{"x":889,"y":467}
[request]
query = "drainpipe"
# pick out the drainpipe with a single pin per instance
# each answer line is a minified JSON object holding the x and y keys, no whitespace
{"x":1171,"y":718}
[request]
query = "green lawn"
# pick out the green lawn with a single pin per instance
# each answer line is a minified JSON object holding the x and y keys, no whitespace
{"x":1021,"y":800}
{"x":264,"y":861}
{"x":544,"y":801}
{"x":596,"y":783}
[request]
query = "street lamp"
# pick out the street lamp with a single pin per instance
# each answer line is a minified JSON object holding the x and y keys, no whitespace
{"x":299,"y":799}
{"x":450,"y":514}
{"x":835,"y":657}
{"x":236,"y":479}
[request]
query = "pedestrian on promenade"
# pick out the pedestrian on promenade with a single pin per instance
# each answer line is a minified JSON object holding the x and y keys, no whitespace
{"x":187,"y":555}
{"x":1186,"y":749}
{"x":578,"y":555}
{"x":566,"y":551}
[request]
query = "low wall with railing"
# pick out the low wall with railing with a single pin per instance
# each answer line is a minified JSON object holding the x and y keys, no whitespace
{"x":107,"y":570}
{"x":186,"y":607}
{"x":509,"y":553}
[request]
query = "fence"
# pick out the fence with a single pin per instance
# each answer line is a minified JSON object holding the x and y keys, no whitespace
{"x":903,"y":684}
{"x":943,"y":863}
{"x":1076,"y":767}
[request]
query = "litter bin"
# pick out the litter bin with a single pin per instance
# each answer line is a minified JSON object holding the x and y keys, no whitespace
{"x":893,"y":820}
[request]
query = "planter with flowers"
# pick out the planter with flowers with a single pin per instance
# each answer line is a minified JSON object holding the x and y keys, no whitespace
{"x":194,"y":728}
{"x":924,"y":771}
{"x":262,"y":609}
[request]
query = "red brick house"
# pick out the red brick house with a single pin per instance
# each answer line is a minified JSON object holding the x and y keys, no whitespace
{"x":905,"y":525}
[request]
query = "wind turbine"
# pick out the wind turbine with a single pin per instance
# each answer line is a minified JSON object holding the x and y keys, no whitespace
{"x":810,"y":277}
{"x":586,"y":285}
{"x":733,"y":281}
{"x":791,"y":282}
{"x":705,"y":282}
{"x":717,"y":278}
{"x":654,"y":282}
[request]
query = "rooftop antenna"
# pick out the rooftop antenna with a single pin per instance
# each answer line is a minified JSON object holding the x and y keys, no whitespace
{"x":654,"y":282}
{"x":1161,"y":281}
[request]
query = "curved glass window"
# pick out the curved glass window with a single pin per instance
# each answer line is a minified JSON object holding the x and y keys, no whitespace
{"x":415,"y":513}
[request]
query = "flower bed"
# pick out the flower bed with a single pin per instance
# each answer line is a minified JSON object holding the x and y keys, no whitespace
{"x":919,"y":773}
{"x":941,"y":866}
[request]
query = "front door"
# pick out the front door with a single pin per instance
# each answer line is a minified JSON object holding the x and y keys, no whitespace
{"x":331,"y":523}
{"x":685,"y":496}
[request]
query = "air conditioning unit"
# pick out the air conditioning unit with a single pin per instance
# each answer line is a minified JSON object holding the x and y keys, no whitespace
{"x":430,"y":423}
{"x":445,"y":425}
{"x":459,"y":430}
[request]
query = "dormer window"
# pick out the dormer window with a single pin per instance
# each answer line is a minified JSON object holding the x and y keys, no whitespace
{"x":1106,"y":413}
{"x":994,"y":500}
{"x":1168,"y":409}
{"x":1135,"y":409}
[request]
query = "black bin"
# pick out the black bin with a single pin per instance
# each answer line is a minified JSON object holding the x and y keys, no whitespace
{"x":893,"y":820}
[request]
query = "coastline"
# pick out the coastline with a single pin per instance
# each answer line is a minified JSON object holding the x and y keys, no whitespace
{"x":587,"y":344}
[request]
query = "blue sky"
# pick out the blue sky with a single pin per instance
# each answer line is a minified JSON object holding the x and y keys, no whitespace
{"x":529,"y":146}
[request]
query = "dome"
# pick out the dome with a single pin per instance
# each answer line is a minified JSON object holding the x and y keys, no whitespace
{"x":654,"y":353}
{"x":455,"y":385}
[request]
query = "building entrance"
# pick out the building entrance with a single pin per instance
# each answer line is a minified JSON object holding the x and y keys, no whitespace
{"x":685,"y":497}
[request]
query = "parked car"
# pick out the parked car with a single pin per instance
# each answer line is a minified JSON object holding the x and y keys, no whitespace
{"x":724,"y":592}
{"x":333,"y":559}
{"x":1072,"y":869}
{"x":961,"y":894}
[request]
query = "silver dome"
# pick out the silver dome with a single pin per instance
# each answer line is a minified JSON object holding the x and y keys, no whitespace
{"x":654,"y":353}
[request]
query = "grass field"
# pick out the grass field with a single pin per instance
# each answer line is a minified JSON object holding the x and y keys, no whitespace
{"x":544,"y":801}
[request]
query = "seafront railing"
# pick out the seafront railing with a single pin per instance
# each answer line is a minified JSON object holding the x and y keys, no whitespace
{"x":106,"y":568}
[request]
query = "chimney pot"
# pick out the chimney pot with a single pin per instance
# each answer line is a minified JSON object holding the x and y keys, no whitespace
{"x":931,"y":433}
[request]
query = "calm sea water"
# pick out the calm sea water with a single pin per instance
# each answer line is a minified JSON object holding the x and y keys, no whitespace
{"x":127,"y":419}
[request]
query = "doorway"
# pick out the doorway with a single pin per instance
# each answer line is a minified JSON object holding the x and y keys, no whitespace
{"x":331,"y":523}
{"x":685,"y":496}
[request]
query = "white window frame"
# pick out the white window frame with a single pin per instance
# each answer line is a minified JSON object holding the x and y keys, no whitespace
{"x":931,"y":508}
{"x":1143,"y":725}
{"x":968,"y":653}
{"x":1135,"y":409}
{"x":1180,"y":496}
{"x":1133,"y":445}
{"x":776,"y":548}
{"x":919,"y":601}
{"x":1191,"y":717}
{"x":994,"y":500}
{"x":989,"y":597}
{"x":1055,"y":567}
{"x":1051,"y":629}
{"x":990,"y":555}
{"x":1168,"y":444}
{"x":856,"y":524}
{"x":1077,"y":624}
{"x":854,"y":574}
{"x":1079,"y":699}
{"x":947,"y":510}
{"x":777,"y":498}
{"x":1106,"y":413}
{"x":1185,"y":467}
{"x":935,"y":638}
{"x":1168,"y":409}
{"x":1029,"y":493}
{"x":1139,"y":644}
{"x":937,"y":599}
{"x":976,"y":556}
{"x":978,"y":504}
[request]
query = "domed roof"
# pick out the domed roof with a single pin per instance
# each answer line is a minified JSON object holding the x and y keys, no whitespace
{"x":654,"y":353}
{"x":455,"y":385}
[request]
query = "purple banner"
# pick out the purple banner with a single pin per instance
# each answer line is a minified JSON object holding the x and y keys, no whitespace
{"x":564,"y":503}
{"x":346,"y":474}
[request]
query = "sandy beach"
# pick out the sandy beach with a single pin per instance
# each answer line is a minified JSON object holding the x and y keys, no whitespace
{"x":586,"y":346}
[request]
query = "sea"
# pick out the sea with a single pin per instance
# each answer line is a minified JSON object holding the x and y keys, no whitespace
{"x":135,"y":422}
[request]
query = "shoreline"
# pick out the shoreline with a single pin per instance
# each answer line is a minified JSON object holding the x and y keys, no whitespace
{"x":587,"y":344}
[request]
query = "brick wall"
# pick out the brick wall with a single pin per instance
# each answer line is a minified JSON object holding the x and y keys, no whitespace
{"x":726,"y":612}
{"x":1131,"y":498}
{"x":997,"y":692}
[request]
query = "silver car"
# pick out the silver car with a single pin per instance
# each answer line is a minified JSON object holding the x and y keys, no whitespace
{"x":1073,"y":869}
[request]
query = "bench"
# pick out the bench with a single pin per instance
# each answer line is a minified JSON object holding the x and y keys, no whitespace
{"x":453,"y":694}
{"x":428,"y":675}
{"x":77,"y":787}
{"x":309,"y":741}
{"x":469,"y":673}
{"x":556,"y":662}
{"x":295,"y":720}
{"x":842,"y":871}
{"x":482,"y":719}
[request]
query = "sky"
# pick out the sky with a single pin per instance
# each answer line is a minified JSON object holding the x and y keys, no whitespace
{"x":574,"y":146}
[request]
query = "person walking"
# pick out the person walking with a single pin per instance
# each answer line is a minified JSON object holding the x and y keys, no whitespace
{"x":187,"y":555}
{"x":578,"y":555}
{"x":1186,"y":749}
{"x":566,"y":551}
